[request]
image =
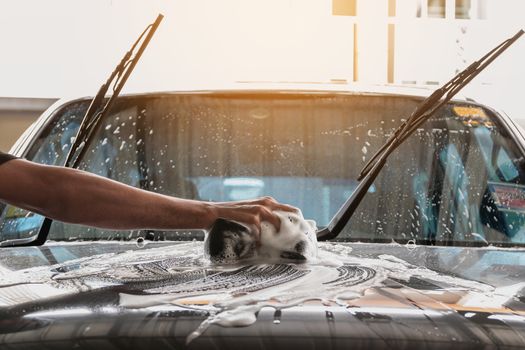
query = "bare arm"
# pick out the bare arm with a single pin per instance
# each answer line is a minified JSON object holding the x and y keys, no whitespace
{"x":79,"y":197}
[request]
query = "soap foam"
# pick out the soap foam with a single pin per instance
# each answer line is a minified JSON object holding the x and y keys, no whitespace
{"x":230,"y":242}
{"x":294,"y":229}
{"x":321,"y":283}
{"x":232,"y":295}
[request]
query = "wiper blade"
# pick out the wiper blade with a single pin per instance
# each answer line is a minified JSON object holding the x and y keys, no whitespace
{"x":435,"y":101}
{"x":424,"y":111}
{"x":99,"y":107}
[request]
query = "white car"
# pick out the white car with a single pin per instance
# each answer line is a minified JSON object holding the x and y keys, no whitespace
{"x":432,"y":256}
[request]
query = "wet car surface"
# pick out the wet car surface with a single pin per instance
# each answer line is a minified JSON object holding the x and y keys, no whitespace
{"x":433,"y":257}
{"x":397,"y":297}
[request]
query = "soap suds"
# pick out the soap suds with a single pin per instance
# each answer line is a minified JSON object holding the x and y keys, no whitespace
{"x":230,"y":242}
{"x":232,"y":295}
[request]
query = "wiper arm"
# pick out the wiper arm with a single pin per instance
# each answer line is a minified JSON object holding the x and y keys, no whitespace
{"x":424,"y":111}
{"x":99,"y":108}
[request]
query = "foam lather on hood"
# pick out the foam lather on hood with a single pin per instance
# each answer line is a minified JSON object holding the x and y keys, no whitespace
{"x":230,"y":242}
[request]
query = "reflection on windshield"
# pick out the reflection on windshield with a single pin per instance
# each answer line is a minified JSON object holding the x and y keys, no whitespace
{"x":457,"y":179}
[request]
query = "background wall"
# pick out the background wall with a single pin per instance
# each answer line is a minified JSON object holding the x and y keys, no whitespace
{"x":16,"y":115}
{"x":62,"y":48}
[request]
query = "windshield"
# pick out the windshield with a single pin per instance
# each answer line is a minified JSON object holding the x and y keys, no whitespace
{"x":457,"y":180}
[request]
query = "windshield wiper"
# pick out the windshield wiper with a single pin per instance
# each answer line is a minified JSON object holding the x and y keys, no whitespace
{"x":99,"y":107}
{"x":424,"y":111}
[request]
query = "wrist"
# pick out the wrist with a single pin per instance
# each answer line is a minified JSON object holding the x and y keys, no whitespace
{"x":211,"y":213}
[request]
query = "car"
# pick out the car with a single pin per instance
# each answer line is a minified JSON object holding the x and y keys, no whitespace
{"x":432,"y":257}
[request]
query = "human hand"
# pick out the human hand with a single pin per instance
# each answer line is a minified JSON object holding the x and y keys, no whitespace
{"x":251,"y":212}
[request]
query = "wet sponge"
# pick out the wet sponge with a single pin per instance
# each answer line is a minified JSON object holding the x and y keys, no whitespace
{"x":230,"y":242}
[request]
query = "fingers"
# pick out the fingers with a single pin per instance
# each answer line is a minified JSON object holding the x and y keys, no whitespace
{"x":272,"y":204}
{"x":286,"y":207}
{"x":251,"y":213}
{"x":266,"y":214}
{"x":255,"y":214}
{"x":266,"y":201}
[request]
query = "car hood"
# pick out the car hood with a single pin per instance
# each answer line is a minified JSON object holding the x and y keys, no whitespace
{"x":168,"y":296}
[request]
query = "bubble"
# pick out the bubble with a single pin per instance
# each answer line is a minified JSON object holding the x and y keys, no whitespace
{"x":140,"y":242}
{"x":411,"y":244}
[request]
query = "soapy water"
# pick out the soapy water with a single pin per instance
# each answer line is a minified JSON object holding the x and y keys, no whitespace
{"x":232,"y":295}
{"x":230,"y":242}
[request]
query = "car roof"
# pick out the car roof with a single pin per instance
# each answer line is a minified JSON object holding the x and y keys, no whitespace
{"x":261,"y":87}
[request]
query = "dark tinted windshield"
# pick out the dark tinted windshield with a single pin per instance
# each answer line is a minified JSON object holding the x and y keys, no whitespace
{"x":457,"y":179}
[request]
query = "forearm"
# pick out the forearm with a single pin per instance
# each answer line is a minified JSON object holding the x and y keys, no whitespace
{"x":95,"y":201}
{"x":79,"y":197}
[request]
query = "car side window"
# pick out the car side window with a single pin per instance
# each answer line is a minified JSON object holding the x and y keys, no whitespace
{"x":506,"y":166}
{"x":51,"y":147}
